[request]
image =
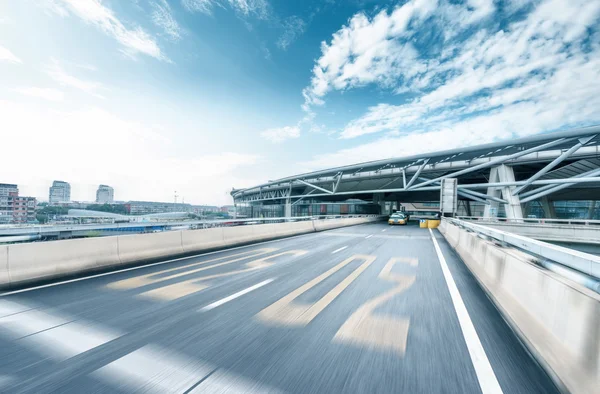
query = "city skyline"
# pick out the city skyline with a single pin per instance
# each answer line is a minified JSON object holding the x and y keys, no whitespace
{"x":201,"y":96}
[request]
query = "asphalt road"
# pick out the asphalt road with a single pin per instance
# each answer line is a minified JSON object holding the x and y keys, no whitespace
{"x":363,"y":309}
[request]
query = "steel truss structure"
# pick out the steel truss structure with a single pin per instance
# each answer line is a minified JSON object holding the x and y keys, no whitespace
{"x":508,"y":172}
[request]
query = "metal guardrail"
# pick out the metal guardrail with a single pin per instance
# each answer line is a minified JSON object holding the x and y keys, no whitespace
{"x":582,"y":262}
{"x":582,"y":222}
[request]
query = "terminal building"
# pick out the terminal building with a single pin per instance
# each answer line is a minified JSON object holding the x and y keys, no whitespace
{"x":552,"y":175}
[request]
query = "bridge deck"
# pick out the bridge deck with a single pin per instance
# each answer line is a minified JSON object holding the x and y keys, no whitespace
{"x":362,"y":309}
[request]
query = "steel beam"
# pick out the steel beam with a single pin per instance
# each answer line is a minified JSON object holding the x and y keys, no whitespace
{"x":494,"y":162}
{"x":554,"y":163}
{"x":476,"y":194}
{"x":404,"y":177}
{"x":315,"y":186}
{"x":540,"y":189}
{"x":303,"y":196}
{"x":414,"y":177}
{"x":337,"y":183}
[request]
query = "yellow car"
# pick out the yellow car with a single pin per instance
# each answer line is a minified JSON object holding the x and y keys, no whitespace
{"x":398,"y":218}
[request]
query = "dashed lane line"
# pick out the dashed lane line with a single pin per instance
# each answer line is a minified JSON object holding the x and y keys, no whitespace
{"x":236,"y":295}
{"x":339,"y":250}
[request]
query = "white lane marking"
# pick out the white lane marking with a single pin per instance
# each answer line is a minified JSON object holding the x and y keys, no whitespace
{"x":383,"y":231}
{"x":485,"y":374}
{"x":234,"y":296}
{"x":339,"y":250}
{"x":146,"y":266}
{"x":151,"y":369}
{"x":222,"y":382}
{"x":368,"y":236}
{"x":58,"y":337}
{"x":27,"y":323}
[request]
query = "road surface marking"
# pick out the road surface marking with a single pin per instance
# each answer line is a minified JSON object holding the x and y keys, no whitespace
{"x":485,"y":374}
{"x":58,"y":337}
{"x":151,"y":369}
{"x":234,"y":296}
{"x":286,"y":312}
{"x":380,"y":332}
{"x":383,"y":231}
{"x":369,"y":236}
{"x":155,"y":277}
{"x":177,"y":290}
{"x":221,"y":382}
{"x":64,"y":282}
{"x":339,"y":250}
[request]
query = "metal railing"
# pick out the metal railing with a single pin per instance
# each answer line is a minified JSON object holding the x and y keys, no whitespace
{"x":581,"y":262}
{"x":540,"y":221}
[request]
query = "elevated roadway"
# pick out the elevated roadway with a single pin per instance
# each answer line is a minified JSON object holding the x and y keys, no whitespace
{"x":364,"y":309}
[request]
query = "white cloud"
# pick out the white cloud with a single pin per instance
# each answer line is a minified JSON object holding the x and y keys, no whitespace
{"x":43,"y":93}
{"x":293,"y":27}
{"x":90,"y":146}
{"x":281,"y":134}
{"x":257,"y":8}
{"x":7,"y":56}
{"x":134,"y":40}
{"x":57,"y":72}
{"x":540,"y":73}
{"x":163,"y":18}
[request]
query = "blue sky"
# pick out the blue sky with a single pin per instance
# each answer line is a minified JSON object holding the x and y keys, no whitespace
{"x":198,"y":96}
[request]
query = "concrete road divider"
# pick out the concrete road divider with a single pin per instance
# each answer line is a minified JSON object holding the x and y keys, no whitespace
{"x":141,"y":247}
{"x":27,"y":263}
{"x":558,"y":319}
{"x":194,"y":241}
{"x":4,"y":279}
{"x":30,"y":262}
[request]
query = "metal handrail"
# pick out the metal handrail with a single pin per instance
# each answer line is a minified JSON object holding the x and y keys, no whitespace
{"x":542,"y":221}
{"x":583,"y":262}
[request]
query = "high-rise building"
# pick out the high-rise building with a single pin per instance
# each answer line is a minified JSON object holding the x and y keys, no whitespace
{"x":59,"y":192}
{"x":105,"y":194}
{"x":23,"y":209}
{"x":7,"y":192}
{"x":15,"y":209}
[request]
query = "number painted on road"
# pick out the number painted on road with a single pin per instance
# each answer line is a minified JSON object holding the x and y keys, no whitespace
{"x":289,"y":313}
{"x":363,"y":328}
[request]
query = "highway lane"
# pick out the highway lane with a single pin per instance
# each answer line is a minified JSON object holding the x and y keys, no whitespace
{"x":353,"y":310}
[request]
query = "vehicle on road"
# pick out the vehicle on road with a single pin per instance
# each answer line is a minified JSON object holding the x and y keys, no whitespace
{"x":398,"y":218}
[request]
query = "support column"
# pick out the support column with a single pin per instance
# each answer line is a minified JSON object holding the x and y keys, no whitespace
{"x":378,"y":199}
{"x":548,"y":207}
{"x":288,"y":208}
{"x":491,"y":210}
{"x":590,"y":214}
{"x":503,"y":173}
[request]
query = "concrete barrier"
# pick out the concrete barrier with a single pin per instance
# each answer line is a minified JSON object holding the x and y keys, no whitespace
{"x":46,"y":260}
{"x":139,"y":247}
{"x":558,"y":320}
{"x":199,"y":240}
{"x":30,"y":262}
{"x":4,"y":279}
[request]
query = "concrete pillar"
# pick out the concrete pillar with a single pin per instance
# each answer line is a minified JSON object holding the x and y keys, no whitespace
{"x":378,"y":199}
{"x":503,"y":173}
{"x":590,"y":214}
{"x":288,"y":208}
{"x":491,"y":210}
{"x":548,"y":207}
